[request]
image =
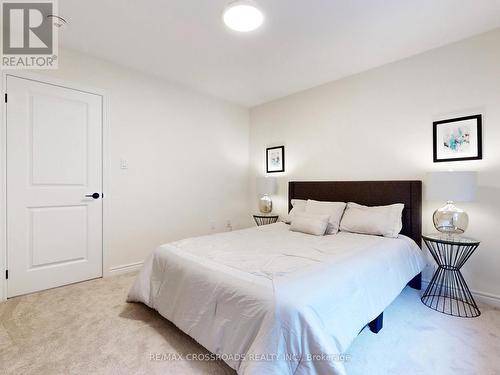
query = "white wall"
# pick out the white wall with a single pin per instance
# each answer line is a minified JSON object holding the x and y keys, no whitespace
{"x":187,"y":153}
{"x":378,"y":125}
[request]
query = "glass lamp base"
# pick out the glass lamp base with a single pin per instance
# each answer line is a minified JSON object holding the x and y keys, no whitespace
{"x":265,"y":204}
{"x":450,"y":219}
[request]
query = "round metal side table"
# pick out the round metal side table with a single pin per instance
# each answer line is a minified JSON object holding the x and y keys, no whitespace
{"x":448,"y":292}
{"x":263,"y":219}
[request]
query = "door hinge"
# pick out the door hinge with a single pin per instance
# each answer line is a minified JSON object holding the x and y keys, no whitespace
{"x":5,"y":97}
{"x":6,"y":274}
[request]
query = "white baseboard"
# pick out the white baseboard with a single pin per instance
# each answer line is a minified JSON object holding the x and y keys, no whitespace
{"x":125,"y":268}
{"x":487,"y":298}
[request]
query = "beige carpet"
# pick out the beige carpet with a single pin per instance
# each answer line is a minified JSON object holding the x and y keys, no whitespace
{"x":88,"y":328}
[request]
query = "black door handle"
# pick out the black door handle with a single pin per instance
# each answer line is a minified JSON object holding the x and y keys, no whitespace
{"x":94,"y":195}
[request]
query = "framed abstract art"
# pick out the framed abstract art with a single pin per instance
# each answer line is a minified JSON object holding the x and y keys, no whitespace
{"x":275,"y":159}
{"x":458,"y":139}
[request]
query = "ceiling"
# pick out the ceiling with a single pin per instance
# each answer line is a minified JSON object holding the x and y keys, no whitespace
{"x":302,"y":44}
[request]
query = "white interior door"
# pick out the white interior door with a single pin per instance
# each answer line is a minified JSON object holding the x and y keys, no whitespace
{"x":54,"y":159}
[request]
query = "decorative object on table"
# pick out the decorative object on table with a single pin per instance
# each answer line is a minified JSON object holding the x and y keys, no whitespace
{"x":451,"y":187}
{"x":448,"y":292}
{"x":275,"y":159}
{"x":458,"y":139}
{"x":265,"y":187}
{"x":265,"y":219}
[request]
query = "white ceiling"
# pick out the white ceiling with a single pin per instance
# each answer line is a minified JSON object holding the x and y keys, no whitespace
{"x":303,"y":43}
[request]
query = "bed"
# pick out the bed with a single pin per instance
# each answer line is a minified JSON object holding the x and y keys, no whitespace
{"x":267,"y":300}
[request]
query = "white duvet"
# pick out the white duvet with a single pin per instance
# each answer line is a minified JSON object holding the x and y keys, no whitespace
{"x":271,"y":301}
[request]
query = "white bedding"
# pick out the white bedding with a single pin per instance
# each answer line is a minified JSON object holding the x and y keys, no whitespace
{"x":272,"y":301}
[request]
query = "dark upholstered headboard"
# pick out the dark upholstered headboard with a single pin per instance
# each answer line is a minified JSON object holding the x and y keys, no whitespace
{"x":368,"y":193}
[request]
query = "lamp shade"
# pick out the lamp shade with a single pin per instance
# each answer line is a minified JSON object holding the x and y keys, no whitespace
{"x":451,"y":186}
{"x":266,"y":185}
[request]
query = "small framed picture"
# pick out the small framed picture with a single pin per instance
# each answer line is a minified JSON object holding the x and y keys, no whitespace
{"x":275,"y":159}
{"x":458,"y":139}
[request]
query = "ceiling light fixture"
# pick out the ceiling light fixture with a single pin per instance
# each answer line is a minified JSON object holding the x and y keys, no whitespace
{"x":242,"y":16}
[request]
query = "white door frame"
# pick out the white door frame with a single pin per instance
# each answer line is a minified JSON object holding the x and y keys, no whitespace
{"x":3,"y":168}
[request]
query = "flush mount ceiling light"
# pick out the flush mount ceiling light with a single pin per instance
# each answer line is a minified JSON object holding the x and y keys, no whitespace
{"x":242,"y":16}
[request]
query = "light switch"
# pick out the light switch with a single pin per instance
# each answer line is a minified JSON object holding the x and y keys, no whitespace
{"x":123,"y":163}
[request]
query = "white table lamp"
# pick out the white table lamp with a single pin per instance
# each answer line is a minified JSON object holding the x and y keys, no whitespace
{"x":451,"y":187}
{"x":265,"y":187}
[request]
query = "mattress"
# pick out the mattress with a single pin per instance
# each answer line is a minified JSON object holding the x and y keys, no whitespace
{"x":270,"y":301}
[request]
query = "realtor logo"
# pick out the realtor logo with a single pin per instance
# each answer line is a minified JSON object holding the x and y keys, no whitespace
{"x":29,"y":39}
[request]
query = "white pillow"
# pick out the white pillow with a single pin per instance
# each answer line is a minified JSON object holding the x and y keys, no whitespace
{"x":315,"y":224}
{"x":379,"y":220}
{"x":334,"y":209}
{"x":298,"y":205}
